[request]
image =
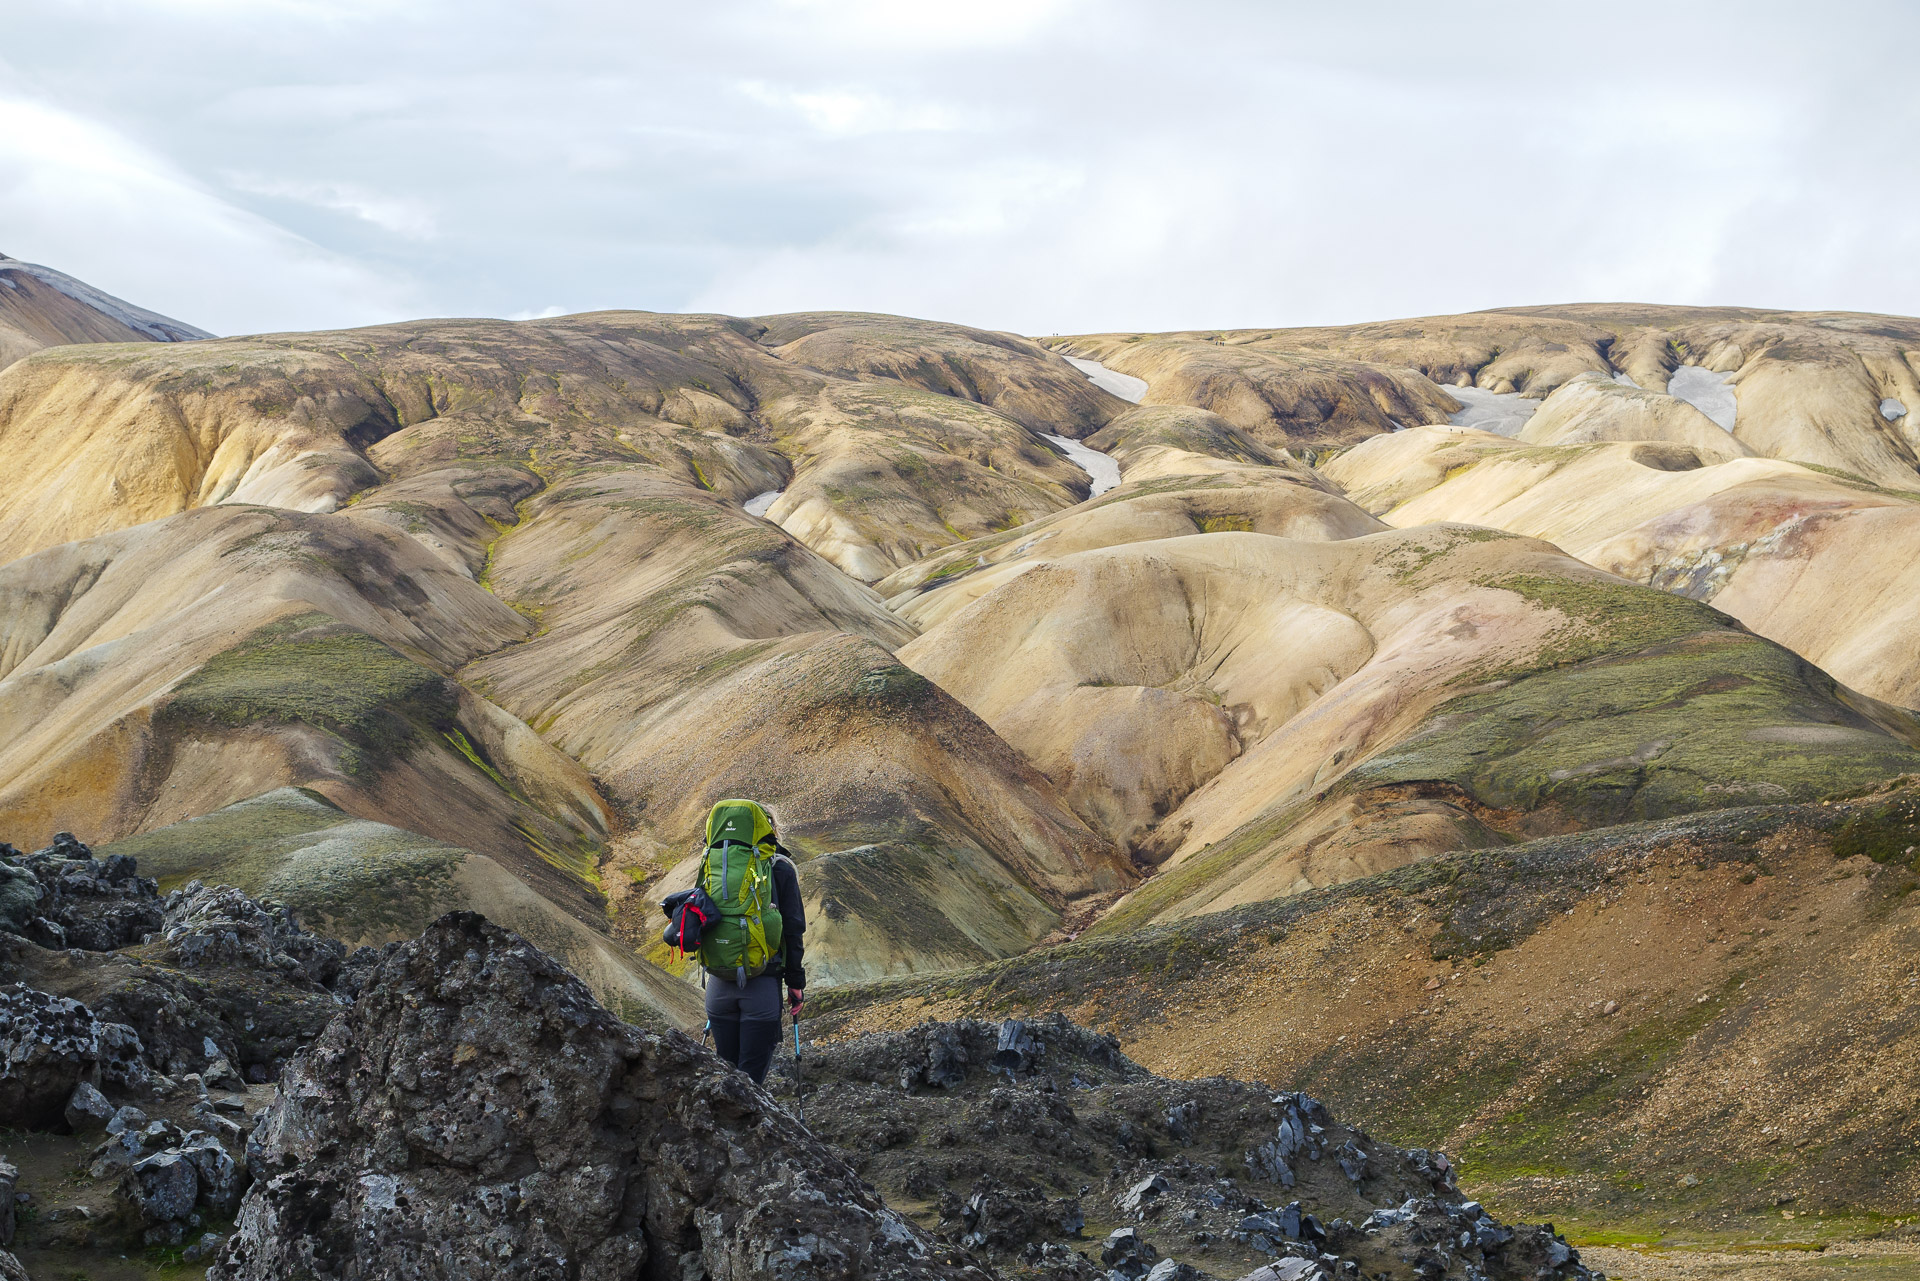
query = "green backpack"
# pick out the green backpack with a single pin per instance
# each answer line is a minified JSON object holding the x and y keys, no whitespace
{"x":737,"y":873}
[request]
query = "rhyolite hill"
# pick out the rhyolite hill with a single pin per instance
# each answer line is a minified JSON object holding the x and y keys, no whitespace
{"x":470,"y":613}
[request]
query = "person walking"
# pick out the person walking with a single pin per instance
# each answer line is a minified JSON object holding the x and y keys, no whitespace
{"x":744,"y":919}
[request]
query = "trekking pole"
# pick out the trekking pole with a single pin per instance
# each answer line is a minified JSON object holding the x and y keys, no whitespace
{"x":798,"y":1110}
{"x":704,"y":1033}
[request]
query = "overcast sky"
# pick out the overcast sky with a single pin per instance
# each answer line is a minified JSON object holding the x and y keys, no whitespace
{"x":1038,"y":165}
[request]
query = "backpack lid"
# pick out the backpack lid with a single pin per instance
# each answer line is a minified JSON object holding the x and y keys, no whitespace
{"x":738,"y":820}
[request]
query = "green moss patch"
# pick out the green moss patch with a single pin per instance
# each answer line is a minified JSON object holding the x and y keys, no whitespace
{"x":348,"y":877}
{"x":1709,"y":721}
{"x":315,"y":671}
{"x":1606,"y":616}
{"x":1887,"y":833}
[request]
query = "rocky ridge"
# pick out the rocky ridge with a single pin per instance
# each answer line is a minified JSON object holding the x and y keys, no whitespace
{"x":461,"y":1106}
{"x":1041,"y":1146}
{"x":144,"y":1028}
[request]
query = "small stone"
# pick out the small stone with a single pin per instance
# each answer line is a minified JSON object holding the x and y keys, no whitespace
{"x":1610,"y":1007}
{"x":1143,"y":1194}
{"x":118,"y":1153}
{"x":1128,"y":1253}
{"x":1284,"y":1270}
{"x":221,"y":1179}
{"x":127,"y":1118}
{"x":205,"y":1248}
{"x":1015,"y":1050}
{"x":162,"y":1188}
{"x":88,"y":1109}
{"x":1172,"y":1270}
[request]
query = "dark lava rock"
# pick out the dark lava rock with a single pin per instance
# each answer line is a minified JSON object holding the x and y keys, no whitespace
{"x":96,"y":905}
{"x":1458,"y":1240}
{"x":48,"y":1046}
{"x":216,"y":925}
{"x":477,"y":1114}
{"x":161,"y":1189}
{"x":239,"y":986}
{"x":87,"y":1109}
{"x":1128,"y":1253}
{"x":1007,"y":1220}
{"x":9,"y":1178}
{"x":1192,"y":1164}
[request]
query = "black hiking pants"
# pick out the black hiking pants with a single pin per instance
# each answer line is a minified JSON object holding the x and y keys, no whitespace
{"x":746,"y":1021}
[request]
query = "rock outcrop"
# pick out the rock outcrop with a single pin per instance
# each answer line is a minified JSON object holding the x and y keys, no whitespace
{"x":49,"y":1047}
{"x":235,"y":987}
{"x":477,"y":1114}
{"x":1022,"y":1133}
{"x":82,"y":902}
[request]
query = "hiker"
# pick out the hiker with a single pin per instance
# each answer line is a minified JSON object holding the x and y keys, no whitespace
{"x":744,"y":920}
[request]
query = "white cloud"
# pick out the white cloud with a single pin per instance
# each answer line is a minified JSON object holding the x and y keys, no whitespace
{"x":1030,"y":164}
{"x":81,"y":198}
{"x":545,"y":313}
{"x":937,"y":24}
{"x":403,"y":216}
{"x":852,"y":111}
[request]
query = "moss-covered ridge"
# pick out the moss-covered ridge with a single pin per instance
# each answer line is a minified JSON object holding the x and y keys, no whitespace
{"x":1643,"y":705}
{"x":314,"y":670}
{"x":371,"y":883}
{"x":397,"y":737}
{"x":1470,"y":897}
{"x":1700,"y":722}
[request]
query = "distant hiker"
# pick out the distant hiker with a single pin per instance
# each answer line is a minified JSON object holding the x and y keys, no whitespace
{"x":744,"y":920}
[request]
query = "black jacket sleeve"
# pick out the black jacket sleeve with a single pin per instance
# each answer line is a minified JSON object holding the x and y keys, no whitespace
{"x":793,"y":920}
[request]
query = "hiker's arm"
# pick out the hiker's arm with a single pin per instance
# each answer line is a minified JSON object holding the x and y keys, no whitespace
{"x":793,"y":922}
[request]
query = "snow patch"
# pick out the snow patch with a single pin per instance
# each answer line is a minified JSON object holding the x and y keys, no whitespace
{"x":1503,"y":413}
{"x":1125,"y":386}
{"x":1706,"y":391}
{"x":760,"y":504}
{"x":1625,"y":379}
{"x":151,"y":323}
{"x":1891,"y":409}
{"x":1101,"y":469}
